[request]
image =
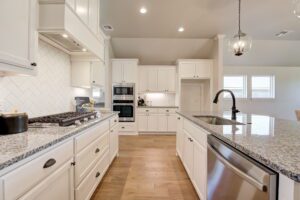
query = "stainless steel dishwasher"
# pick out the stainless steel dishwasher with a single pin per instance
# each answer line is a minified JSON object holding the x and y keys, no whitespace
{"x":234,"y":176}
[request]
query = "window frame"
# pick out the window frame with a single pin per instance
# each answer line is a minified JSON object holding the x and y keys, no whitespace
{"x":245,"y":86}
{"x":272,"y":87}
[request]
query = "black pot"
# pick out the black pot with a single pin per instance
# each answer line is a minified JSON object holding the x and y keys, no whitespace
{"x":13,"y":123}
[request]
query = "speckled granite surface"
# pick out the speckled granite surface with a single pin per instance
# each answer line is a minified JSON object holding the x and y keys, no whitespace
{"x":273,"y":142}
{"x":16,"y":147}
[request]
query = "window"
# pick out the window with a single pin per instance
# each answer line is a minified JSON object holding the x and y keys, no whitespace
{"x":263,"y":86}
{"x":237,"y":84}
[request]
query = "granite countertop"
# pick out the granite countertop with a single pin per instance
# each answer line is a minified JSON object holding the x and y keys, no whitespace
{"x":273,"y":142}
{"x":16,"y":147}
{"x":157,"y":106}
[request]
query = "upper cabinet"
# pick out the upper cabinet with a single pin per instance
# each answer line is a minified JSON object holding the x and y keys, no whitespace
{"x":157,"y":78}
{"x":19,"y":38}
{"x":77,"y":20}
{"x":195,"y":69}
{"x":87,"y":73}
{"x":124,"y":70}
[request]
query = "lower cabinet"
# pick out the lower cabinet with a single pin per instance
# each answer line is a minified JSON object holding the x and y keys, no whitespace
{"x":157,"y":120}
{"x":192,"y":149}
{"x":70,"y":170}
{"x":59,"y":185}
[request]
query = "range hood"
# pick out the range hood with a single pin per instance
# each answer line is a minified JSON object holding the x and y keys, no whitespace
{"x":57,"y":19}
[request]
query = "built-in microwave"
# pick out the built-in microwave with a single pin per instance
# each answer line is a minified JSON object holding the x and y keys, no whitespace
{"x":123,"y":90}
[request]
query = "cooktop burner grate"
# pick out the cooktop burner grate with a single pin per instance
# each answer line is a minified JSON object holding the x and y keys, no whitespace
{"x":64,"y":119}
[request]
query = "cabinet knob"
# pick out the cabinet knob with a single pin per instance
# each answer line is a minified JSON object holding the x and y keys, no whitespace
{"x":167,"y":110}
{"x":147,"y":110}
{"x":123,"y":127}
{"x":49,"y":163}
{"x":115,"y":120}
{"x":97,"y":150}
{"x":178,"y":118}
{"x":191,"y":140}
{"x":94,"y":81}
{"x":33,"y":64}
{"x":97,"y":174}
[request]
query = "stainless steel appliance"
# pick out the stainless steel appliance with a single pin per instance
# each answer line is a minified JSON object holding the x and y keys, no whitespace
{"x":234,"y":176}
{"x":124,"y":101}
{"x":11,"y":123}
{"x":65,"y":119}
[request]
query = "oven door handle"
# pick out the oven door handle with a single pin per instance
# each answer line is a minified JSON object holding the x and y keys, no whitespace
{"x":238,"y":172}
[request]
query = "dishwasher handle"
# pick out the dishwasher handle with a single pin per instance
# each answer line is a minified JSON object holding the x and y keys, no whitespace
{"x":238,"y":172}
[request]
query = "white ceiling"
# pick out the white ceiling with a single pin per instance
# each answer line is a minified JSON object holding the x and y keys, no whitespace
{"x":201,"y":18}
{"x":158,"y":51}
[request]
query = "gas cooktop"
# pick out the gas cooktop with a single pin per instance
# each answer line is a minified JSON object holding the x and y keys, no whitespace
{"x":65,"y":119}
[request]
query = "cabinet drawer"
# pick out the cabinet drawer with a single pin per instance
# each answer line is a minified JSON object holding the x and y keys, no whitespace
{"x":25,"y":177}
{"x":147,"y":110}
{"x":113,"y":121}
{"x":90,"y":135}
{"x":126,"y":127}
{"x":195,"y":132}
{"x":88,"y":157}
{"x":86,"y":189}
{"x":167,"y":110}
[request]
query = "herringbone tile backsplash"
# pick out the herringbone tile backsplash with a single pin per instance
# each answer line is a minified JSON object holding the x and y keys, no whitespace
{"x":47,"y":93}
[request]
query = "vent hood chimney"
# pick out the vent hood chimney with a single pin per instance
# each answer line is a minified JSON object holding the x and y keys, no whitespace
{"x":60,"y":25}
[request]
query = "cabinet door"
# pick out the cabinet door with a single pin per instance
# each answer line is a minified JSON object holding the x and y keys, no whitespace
{"x":142,"y":122}
{"x":188,"y":154}
{"x":59,"y":185}
{"x":114,"y":143}
{"x":171,"y":87}
{"x":179,"y":136}
{"x":98,"y":73}
{"x":152,"y":122}
{"x":203,"y":69}
{"x":94,"y":15}
{"x":199,"y":175}
{"x":187,"y":70}
{"x":18,"y":35}
{"x":129,"y":71}
{"x":143,"y":79}
{"x":82,"y":10}
{"x":152,"y":79}
{"x":172,"y":121}
{"x":162,"y":79}
{"x":162,"y":123}
{"x":117,"y":72}
{"x":81,"y":74}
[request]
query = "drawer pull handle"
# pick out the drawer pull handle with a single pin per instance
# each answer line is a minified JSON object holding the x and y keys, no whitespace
{"x":115,"y":120}
{"x":49,"y":163}
{"x":97,"y":174}
{"x":178,"y":118}
{"x":97,"y":150}
{"x":191,"y":140}
{"x":33,"y":64}
{"x":167,"y":110}
{"x":123,"y":127}
{"x":147,"y":110}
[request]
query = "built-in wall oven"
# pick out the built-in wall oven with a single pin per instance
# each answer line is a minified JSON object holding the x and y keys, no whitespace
{"x":124,"y":101}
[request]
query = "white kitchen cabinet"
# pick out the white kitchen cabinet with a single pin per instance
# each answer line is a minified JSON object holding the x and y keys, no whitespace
{"x":152,"y":123}
{"x":166,"y":79}
{"x":172,"y":121}
{"x":157,"y":79}
{"x":199,"y":169}
{"x":82,"y":10}
{"x":195,"y":69}
{"x":59,"y":185}
{"x":143,"y":122}
{"x":124,"y":70}
{"x":114,"y":141}
{"x":147,"y":123}
{"x":88,"y":73}
{"x":94,"y":15}
{"x":188,"y":154}
{"x":162,"y":123}
{"x":19,"y":37}
{"x":179,"y":136}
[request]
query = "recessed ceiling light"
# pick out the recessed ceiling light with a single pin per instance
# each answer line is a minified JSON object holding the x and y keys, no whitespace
{"x":84,"y":49}
{"x":143,"y":10}
{"x":65,"y":35}
{"x":180,"y":29}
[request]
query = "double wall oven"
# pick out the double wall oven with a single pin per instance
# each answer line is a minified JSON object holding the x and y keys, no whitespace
{"x":124,"y":101}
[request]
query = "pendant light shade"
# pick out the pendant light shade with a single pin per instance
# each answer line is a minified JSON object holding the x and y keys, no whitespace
{"x":297,"y":8}
{"x":241,"y":42}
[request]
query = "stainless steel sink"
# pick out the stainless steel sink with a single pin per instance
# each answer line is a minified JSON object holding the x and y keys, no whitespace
{"x":215,"y":120}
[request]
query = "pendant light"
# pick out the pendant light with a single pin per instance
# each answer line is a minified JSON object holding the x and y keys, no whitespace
{"x":297,"y":8}
{"x":241,"y":42}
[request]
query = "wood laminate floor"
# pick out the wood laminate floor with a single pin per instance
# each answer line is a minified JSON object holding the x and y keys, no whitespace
{"x":146,"y":169}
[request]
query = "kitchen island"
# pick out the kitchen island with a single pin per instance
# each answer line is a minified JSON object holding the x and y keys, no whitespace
{"x":69,"y":160}
{"x":275,"y":143}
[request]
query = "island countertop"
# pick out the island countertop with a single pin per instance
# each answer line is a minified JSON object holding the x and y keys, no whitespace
{"x":16,"y":147}
{"x":272,"y":142}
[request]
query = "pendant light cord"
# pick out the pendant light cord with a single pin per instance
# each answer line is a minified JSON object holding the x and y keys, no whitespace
{"x":239,"y":33}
